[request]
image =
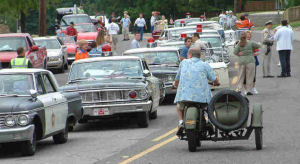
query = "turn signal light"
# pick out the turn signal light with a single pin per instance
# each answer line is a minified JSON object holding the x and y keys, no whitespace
{"x":183,"y":35}
{"x":132,"y":94}
{"x":151,"y":40}
{"x":106,"y":48}
{"x":182,"y":22}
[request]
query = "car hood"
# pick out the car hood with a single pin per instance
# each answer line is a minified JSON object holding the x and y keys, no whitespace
{"x":105,"y":84}
{"x":87,"y":36}
{"x":157,"y":69}
{"x":18,"y":104}
{"x":71,"y":49}
{"x":53,"y":52}
{"x":7,"y":56}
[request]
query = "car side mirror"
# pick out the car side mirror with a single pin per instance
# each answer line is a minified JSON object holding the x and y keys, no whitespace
{"x":34,"y":48}
{"x":147,"y":73}
{"x":33,"y":93}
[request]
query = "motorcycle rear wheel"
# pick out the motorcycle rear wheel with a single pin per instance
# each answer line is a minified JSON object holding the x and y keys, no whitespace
{"x":192,"y":140}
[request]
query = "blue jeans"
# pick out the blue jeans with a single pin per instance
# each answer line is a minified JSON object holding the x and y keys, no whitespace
{"x":152,"y":28}
{"x":141,"y":31}
{"x":284,"y":57}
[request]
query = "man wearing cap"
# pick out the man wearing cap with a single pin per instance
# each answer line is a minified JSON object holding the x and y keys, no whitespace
{"x":231,"y":21}
{"x":71,"y":31}
{"x":268,"y":43}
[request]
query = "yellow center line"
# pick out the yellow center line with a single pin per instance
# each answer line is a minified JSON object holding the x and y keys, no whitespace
{"x":165,"y":135}
{"x":153,"y":148}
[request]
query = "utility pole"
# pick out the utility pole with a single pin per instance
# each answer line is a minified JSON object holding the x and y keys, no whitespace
{"x":42,"y":18}
{"x":235,"y":6}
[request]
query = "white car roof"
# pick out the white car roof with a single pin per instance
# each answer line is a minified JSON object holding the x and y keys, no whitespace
{"x":89,"y":60}
{"x":139,"y":50}
{"x":22,"y":71}
{"x":45,"y":38}
{"x":172,"y":43}
{"x":193,"y":31}
{"x":203,"y":22}
{"x":179,"y":28}
{"x":74,"y":15}
{"x":210,"y":36}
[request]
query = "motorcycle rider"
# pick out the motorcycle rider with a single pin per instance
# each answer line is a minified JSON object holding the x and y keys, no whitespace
{"x":192,"y":83}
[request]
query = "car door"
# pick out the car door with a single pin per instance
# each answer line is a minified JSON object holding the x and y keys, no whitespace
{"x":154,"y":85}
{"x":32,"y":54}
{"x":39,"y":55}
{"x":55,"y":104}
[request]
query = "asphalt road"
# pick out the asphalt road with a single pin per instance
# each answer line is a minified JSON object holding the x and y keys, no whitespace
{"x":111,"y":142}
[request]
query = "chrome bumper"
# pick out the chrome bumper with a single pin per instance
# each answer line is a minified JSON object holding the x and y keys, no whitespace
{"x":118,"y":108}
{"x":16,"y":134}
{"x":170,"y":90}
{"x":54,"y":64}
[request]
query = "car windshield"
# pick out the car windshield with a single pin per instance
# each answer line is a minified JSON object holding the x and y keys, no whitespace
{"x":214,"y":41}
{"x":86,"y":28}
{"x":106,"y":69}
{"x":48,"y":43}
{"x":68,"y":40}
{"x":186,"y":21}
{"x":76,"y":19}
{"x":159,"y":58}
{"x":15,"y":84}
{"x":12,"y":43}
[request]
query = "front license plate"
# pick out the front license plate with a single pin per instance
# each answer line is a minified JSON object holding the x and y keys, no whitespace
{"x":100,"y":111}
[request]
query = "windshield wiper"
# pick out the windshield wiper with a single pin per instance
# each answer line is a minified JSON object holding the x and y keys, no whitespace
{"x":82,"y":79}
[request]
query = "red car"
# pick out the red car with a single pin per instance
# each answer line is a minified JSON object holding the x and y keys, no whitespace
{"x":71,"y":46}
{"x":9,"y":43}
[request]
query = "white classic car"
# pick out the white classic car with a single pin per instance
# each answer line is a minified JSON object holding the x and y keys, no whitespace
{"x":57,"y":52}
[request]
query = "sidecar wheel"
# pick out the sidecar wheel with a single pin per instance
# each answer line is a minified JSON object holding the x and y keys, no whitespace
{"x":192,"y":140}
{"x":258,"y":138}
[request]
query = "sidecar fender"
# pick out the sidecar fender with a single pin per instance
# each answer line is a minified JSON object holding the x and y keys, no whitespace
{"x":257,"y":116}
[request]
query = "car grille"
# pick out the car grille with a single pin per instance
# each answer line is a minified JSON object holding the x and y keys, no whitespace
{"x":104,"y":96}
{"x":2,"y":119}
{"x":166,"y":78}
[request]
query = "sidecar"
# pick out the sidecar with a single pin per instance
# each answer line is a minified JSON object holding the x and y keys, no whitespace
{"x":228,"y":117}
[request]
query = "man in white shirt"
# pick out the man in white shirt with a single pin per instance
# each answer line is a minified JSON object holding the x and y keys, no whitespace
{"x":141,"y":24}
{"x":222,"y":19}
{"x":113,"y":30}
{"x":135,"y":42}
{"x":231,"y":20}
{"x":284,"y":41}
{"x":152,"y":21}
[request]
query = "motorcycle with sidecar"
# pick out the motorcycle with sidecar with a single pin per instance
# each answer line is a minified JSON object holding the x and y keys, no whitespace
{"x":225,"y":118}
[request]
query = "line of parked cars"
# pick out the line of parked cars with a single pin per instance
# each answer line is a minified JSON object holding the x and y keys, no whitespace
{"x":34,"y":107}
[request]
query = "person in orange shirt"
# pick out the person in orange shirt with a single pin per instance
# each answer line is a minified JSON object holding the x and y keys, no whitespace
{"x":249,"y":22}
{"x":82,"y":53}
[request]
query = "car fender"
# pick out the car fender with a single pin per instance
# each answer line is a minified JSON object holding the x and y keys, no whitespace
{"x":257,"y":116}
{"x":191,"y":116}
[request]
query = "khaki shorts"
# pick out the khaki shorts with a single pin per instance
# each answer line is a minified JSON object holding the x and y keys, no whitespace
{"x":114,"y":39}
{"x":125,"y":30}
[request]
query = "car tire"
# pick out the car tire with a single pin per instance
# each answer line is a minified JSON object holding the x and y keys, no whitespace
{"x":62,"y":68}
{"x":29,"y":147}
{"x":82,"y":121}
{"x":143,"y":119}
{"x":153,"y":115}
{"x":66,"y":64}
{"x":244,"y":112}
{"x":62,"y":137}
{"x":192,"y":140}
{"x":258,"y":138}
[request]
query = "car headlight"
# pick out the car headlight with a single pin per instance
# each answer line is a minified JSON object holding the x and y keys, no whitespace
{"x":144,"y":94}
{"x":23,"y":120}
{"x":171,"y":78}
{"x":10,"y":121}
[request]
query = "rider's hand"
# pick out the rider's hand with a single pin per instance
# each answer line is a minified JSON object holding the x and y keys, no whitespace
{"x":216,"y":82}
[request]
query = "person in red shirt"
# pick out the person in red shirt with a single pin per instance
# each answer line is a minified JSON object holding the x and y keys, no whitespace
{"x":82,"y":52}
{"x":71,"y":31}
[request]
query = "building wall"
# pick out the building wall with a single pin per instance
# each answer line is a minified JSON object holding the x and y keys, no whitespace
{"x":260,"y":6}
{"x":292,"y":14}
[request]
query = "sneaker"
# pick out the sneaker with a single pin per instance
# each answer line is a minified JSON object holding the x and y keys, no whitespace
{"x":180,"y":130}
{"x":278,"y":64}
{"x":245,"y":93}
{"x":254,"y":91}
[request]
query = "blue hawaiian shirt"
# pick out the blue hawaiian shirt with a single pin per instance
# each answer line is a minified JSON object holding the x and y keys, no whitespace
{"x":193,"y":75}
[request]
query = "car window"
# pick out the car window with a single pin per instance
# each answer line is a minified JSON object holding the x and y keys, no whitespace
{"x":39,"y":86}
{"x":48,"y":43}
{"x":48,"y":84}
{"x":12,"y":43}
{"x":15,"y":84}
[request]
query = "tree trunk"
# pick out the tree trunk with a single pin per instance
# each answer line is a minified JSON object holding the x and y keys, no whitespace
{"x":235,"y":6}
{"x":42,"y":18}
{"x":22,"y":21}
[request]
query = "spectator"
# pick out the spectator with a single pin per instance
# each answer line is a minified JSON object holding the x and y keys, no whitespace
{"x":94,"y":50}
{"x":185,"y":49}
{"x":268,"y":43}
{"x":197,"y":42}
{"x":100,"y":41}
{"x":152,"y":21}
{"x":101,"y":23}
{"x":284,"y":39}
{"x":113,"y":30}
{"x":222,"y":19}
{"x":71,"y":31}
{"x":20,"y":62}
{"x":231,"y":21}
{"x":244,"y":51}
{"x":163,"y":23}
{"x":80,"y":10}
{"x":112,"y":16}
{"x":125,"y":22}
{"x":82,"y":52}
{"x":250,"y":23}
{"x":135,"y":42}
{"x":141,"y":24}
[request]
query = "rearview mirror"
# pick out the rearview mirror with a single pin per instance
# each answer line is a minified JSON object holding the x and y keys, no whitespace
{"x":147,"y":73}
{"x":33,"y":93}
